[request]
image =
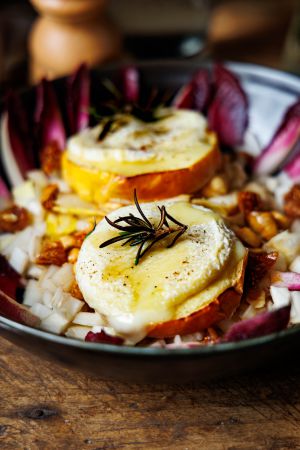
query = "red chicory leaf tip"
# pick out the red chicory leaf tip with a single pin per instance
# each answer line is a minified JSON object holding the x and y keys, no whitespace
{"x":104,"y":338}
{"x":261,"y":325}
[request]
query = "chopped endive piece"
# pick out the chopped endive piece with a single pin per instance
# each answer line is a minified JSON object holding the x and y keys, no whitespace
{"x":59,"y":224}
{"x":203,"y":272}
{"x":55,"y":323}
{"x":222,"y":204}
{"x":77,"y":332}
{"x":40,"y":310}
{"x":72,"y":204}
{"x":90,"y":319}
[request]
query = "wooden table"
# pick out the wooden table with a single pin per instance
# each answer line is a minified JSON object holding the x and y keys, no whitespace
{"x":46,"y":406}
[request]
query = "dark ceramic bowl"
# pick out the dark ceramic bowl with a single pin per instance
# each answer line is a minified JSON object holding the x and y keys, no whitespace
{"x":270,"y":92}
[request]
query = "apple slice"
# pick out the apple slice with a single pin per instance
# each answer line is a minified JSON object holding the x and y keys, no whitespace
{"x":98,"y":185}
{"x":221,"y":308}
{"x":173,"y":289}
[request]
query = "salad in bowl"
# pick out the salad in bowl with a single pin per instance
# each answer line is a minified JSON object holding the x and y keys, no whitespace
{"x":149,"y":217}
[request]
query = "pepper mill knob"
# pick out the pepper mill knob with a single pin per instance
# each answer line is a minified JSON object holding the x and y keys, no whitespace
{"x":68,"y":33}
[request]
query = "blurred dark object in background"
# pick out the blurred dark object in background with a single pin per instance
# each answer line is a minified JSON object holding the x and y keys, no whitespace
{"x":251,"y":30}
{"x":162,"y":28}
{"x":243,"y":30}
{"x":68,"y":33}
{"x":291,"y":55}
{"x":15,"y":21}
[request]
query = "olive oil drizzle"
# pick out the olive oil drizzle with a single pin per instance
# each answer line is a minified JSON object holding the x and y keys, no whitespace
{"x":139,"y":231}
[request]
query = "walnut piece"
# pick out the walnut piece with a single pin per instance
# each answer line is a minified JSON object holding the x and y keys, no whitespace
{"x":248,"y":202}
{"x":247,"y":236}
{"x":50,"y":158}
{"x":49,"y":195}
{"x":292,"y":202}
{"x":263,"y":223}
{"x":218,"y":185}
{"x":75,"y":291}
{"x":14,"y":219}
{"x":73,"y":255}
{"x":52,"y":252}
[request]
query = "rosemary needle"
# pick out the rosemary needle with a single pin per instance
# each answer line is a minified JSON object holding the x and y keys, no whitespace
{"x":139,"y":231}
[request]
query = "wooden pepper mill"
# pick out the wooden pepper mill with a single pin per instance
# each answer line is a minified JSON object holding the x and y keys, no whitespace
{"x":68,"y":33}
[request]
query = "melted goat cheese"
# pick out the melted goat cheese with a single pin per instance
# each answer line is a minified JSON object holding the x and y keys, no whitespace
{"x":168,"y":283}
{"x":132,"y":147}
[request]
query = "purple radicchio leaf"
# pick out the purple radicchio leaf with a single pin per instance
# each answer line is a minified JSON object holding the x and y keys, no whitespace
{"x":10,"y":280}
{"x":228,"y":111}
{"x":48,"y":117}
{"x":184,"y":97}
{"x":17,"y":143}
{"x":292,"y":167}
{"x":4,"y":191}
{"x":14,"y":311}
{"x":283,"y":143}
{"x":11,"y":284}
{"x":290,"y":280}
{"x":260,"y":325}
{"x":202,"y":89}
{"x":130,"y":82}
{"x":78,"y":99}
{"x":196,"y":94}
{"x":103,"y":337}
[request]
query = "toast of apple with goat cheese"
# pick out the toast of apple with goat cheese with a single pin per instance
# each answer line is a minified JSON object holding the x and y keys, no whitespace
{"x":172,"y":155}
{"x":166,"y":269}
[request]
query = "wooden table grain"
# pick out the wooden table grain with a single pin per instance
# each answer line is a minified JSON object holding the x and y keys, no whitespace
{"x":47,"y":406}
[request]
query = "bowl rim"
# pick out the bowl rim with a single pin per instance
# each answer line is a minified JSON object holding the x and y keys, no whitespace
{"x":277,"y":78}
{"x":205,"y":350}
{"x":249,"y":70}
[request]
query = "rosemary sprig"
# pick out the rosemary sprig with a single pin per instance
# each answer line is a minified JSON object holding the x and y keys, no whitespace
{"x":139,"y":231}
{"x":107,"y":125}
{"x":146,"y":111}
